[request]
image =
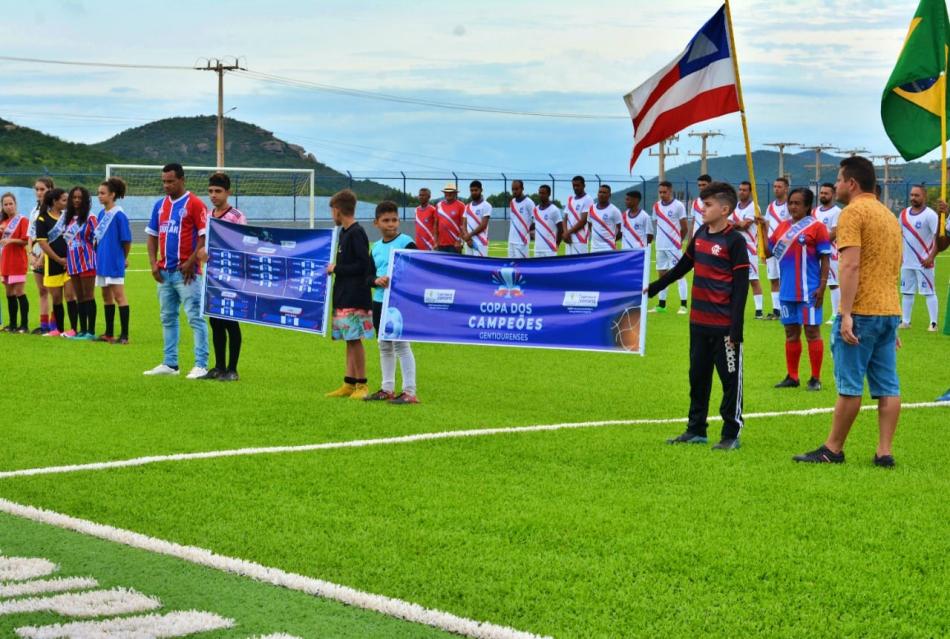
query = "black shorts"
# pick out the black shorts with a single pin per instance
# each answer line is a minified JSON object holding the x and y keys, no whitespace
{"x":377,"y":315}
{"x":448,"y":249}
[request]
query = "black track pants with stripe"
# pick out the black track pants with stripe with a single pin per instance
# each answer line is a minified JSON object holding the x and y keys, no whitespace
{"x":706,"y":352}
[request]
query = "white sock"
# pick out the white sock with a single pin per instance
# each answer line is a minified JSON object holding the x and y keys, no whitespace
{"x":932,"y":306}
{"x":775,"y":303}
{"x":908,"y":307}
{"x":407,"y":363}
{"x":663,"y":295}
{"x":835,"y":301}
{"x":682,"y":289}
{"x":758,"y":301}
{"x":387,"y":361}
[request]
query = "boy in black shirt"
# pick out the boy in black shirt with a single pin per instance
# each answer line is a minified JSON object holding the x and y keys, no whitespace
{"x":718,"y":254}
{"x":352,"y":295}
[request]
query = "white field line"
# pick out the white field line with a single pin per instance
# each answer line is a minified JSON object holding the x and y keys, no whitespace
{"x":408,"y":439}
{"x":388,"y":606}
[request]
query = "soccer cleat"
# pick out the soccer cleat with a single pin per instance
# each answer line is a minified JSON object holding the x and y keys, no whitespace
{"x":23,"y":330}
{"x":657,"y":309}
{"x":229,"y":376}
{"x":197,"y":372}
{"x":214,"y":373}
{"x":379,"y":396}
{"x":903,"y":325}
{"x":122,"y":341}
{"x":52,"y":333}
{"x":360,"y":391}
{"x":775,"y":315}
{"x":945,"y":397}
{"x":162,"y":369}
{"x":788,"y":382}
{"x":38,"y":331}
{"x":820,"y":455}
{"x":89,"y":337}
{"x":830,"y":322}
{"x":70,"y":334}
{"x":343,"y":391}
{"x":7,"y":329}
{"x":759,"y":315}
{"x":932,"y":328}
{"x":404,"y":398}
{"x":727,"y":444}
{"x":884,"y":461}
{"x":75,"y":336}
{"x":814,"y":384}
{"x":688,"y":438}
{"x":105,"y":338}
{"x":683,"y":311}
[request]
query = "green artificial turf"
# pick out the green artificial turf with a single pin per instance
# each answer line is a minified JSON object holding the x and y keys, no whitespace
{"x":595,"y":532}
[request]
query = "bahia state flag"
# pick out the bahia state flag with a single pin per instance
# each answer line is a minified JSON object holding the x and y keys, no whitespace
{"x":910,"y":106}
{"x":698,"y":85}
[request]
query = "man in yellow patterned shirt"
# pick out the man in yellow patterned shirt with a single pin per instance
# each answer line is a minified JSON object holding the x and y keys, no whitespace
{"x":864,"y":337}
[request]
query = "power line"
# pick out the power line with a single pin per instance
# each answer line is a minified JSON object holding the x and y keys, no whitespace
{"x":110,"y":65}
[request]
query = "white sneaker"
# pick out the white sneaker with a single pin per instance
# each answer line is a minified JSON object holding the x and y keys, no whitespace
{"x":904,"y":325}
{"x":830,"y":322}
{"x":162,"y":369}
{"x":196,"y":372}
{"x":933,"y":327}
{"x":682,"y":311}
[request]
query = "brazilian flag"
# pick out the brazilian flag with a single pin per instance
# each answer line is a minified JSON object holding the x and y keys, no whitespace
{"x":910,"y":107}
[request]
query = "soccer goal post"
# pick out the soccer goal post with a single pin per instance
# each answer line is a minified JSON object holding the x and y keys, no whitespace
{"x":278,"y":195}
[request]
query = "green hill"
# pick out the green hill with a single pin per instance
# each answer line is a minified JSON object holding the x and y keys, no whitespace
{"x":25,"y":153}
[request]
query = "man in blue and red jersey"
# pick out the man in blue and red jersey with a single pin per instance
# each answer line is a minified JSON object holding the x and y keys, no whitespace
{"x":175,"y":233}
{"x":717,"y":254}
{"x":802,"y":248}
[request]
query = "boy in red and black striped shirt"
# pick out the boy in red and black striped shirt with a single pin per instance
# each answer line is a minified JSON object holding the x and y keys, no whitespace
{"x":717,"y":254}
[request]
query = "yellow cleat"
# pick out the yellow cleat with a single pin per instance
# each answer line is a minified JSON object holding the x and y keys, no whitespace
{"x":360,"y":391}
{"x":343,"y":391}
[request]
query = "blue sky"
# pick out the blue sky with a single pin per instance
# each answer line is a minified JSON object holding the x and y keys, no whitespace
{"x":812,"y":71}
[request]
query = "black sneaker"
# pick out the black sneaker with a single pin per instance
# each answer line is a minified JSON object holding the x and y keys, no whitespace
{"x":788,"y":382}
{"x":884,"y":461}
{"x":775,"y":315}
{"x":820,"y":455}
{"x":8,"y":329}
{"x":214,"y":373}
{"x":759,"y":315}
{"x":229,"y":376}
{"x":379,"y":396}
{"x":38,"y":331}
{"x":727,"y":444}
{"x":688,"y":438}
{"x":814,"y":384}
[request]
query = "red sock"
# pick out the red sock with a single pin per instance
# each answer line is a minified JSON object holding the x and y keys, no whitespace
{"x":44,"y":321}
{"x":793,"y":355}
{"x":816,"y":351}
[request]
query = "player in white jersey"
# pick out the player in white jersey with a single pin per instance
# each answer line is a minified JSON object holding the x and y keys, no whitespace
{"x":827,"y":212}
{"x":696,"y":210}
{"x":743,"y":218}
{"x":575,"y":218}
{"x":669,"y":220}
{"x":548,"y":224}
{"x":775,"y":214}
{"x":637,"y":228}
{"x":521,"y":209}
{"x":477,"y":215}
{"x":603,"y":221}
{"x":919,"y":226}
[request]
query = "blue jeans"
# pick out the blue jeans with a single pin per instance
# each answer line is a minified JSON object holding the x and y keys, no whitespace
{"x":873,"y":357}
{"x":172,"y":294}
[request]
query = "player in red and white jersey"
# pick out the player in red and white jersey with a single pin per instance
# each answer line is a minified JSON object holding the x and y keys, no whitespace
{"x":575,"y":218}
{"x":775,"y":214}
{"x":743,"y":218}
{"x":477,"y":215}
{"x":919,"y":226}
{"x":548,"y":224}
{"x":696,"y":210}
{"x":450,"y":217}
{"x":636,"y":228}
{"x":521,"y":212}
{"x":603,"y":220}
{"x":669,"y":220}
{"x":827,"y":212}
{"x":425,"y":221}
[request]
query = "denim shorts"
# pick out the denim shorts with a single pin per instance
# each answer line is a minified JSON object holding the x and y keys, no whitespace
{"x":873,"y":357}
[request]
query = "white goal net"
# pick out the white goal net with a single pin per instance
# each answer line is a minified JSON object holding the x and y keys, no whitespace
{"x":273,"y":195}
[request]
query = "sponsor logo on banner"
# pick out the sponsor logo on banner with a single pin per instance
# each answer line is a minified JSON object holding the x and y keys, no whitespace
{"x":439,"y":296}
{"x":581,"y":299}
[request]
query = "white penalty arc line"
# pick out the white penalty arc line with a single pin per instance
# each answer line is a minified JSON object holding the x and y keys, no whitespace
{"x":409,"y":439}
{"x":388,"y":606}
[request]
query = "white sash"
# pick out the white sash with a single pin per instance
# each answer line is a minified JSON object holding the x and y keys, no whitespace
{"x":11,"y":226}
{"x":57,"y":229}
{"x":104,"y":222}
{"x":788,"y":238}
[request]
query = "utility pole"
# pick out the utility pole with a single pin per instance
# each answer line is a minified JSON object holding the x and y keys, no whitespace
{"x":704,"y":154}
{"x":220,"y":67}
{"x":781,"y":155}
{"x":818,"y":149}
{"x":663,"y":153}
{"x":886,"y":159}
{"x":853,"y":152}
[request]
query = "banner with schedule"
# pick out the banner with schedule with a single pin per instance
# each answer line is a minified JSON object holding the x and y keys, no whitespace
{"x":591,"y":302}
{"x":271,"y":276}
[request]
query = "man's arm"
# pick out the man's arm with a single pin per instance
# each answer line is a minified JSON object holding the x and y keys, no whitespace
{"x":849,"y":262}
{"x":685,"y":232}
{"x":559,"y":234}
{"x":581,"y":223}
{"x":822,"y":280}
{"x":151,"y":245}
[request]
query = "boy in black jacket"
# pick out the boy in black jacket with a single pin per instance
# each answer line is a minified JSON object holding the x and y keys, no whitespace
{"x":352,"y":295}
{"x":718,"y":254}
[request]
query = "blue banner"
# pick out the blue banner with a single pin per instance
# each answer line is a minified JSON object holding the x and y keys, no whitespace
{"x":590,"y":302}
{"x":272,"y":276}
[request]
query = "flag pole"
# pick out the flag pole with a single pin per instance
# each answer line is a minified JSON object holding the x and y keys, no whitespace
{"x":942,"y":231}
{"x":745,"y":129}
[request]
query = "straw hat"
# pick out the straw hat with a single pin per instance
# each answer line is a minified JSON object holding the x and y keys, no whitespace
{"x":450,"y":187}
